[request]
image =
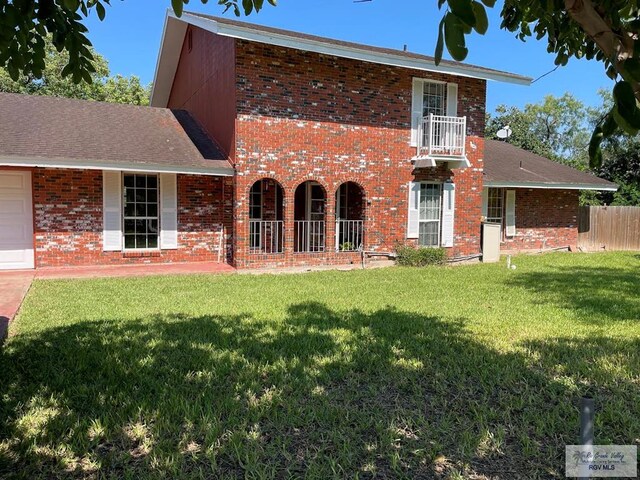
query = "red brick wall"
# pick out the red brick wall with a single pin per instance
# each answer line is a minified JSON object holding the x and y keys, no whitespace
{"x":305,"y":116}
{"x":545,"y":219}
{"x":205,"y":85}
{"x":68,"y":219}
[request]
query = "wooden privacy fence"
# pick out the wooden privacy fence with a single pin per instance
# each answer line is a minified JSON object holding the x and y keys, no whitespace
{"x":609,"y":228}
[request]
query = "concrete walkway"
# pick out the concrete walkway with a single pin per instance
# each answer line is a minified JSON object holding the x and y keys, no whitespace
{"x":108,"y":271}
{"x":13,"y":288}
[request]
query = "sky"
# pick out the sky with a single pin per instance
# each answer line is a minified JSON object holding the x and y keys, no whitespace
{"x":130,"y":35}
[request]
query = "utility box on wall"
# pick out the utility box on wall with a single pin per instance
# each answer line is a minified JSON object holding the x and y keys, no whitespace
{"x":491,"y":242}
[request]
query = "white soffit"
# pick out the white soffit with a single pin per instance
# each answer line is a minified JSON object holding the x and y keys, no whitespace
{"x":550,"y":186}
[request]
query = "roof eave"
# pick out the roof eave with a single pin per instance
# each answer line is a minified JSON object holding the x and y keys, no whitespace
{"x":90,"y":164}
{"x":173,"y":33}
{"x":551,"y":186}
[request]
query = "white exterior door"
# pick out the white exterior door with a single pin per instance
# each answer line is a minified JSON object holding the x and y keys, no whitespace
{"x":16,"y":220}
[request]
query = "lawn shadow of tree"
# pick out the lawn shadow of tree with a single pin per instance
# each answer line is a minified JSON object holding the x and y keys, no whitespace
{"x":598,"y":294}
{"x":320,"y":394}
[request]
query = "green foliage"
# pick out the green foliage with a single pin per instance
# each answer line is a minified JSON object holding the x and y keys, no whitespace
{"x":604,"y":30}
{"x":622,"y":165}
{"x":361,"y":374}
{"x":347,"y":247}
{"x":409,"y":256}
{"x":103,"y":87}
{"x":556,"y":128}
{"x":26,"y":24}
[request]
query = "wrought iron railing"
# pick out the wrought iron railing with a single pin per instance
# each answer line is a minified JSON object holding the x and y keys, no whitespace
{"x":309,"y":236}
{"x":266,"y":236}
{"x":349,"y":235}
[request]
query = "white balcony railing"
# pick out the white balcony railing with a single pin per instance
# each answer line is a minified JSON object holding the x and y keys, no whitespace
{"x":441,"y":136}
{"x":265,"y":236}
{"x":349,"y":235}
{"x":309,"y":236}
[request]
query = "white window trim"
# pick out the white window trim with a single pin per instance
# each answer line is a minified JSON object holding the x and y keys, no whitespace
{"x":502,"y":202}
{"x":123,"y":217}
{"x":417,"y":106}
{"x":440,"y":184}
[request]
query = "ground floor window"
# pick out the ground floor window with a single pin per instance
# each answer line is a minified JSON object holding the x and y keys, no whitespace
{"x":141,"y":221}
{"x":495,"y":205}
{"x":430,"y":214}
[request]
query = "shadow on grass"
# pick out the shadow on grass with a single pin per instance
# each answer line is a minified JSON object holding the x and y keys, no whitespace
{"x":599,"y":293}
{"x":321,"y":394}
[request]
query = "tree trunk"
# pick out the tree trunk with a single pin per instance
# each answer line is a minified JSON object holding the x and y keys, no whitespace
{"x":616,"y":46}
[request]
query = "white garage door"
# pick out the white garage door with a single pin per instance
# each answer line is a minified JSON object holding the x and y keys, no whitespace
{"x":16,"y":220}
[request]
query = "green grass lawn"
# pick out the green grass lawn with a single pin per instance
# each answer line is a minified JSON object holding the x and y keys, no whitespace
{"x":443,"y":372}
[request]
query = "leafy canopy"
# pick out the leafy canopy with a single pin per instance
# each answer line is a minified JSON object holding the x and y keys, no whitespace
{"x":103,"y":87}
{"x":556,"y":127}
{"x":26,"y":24}
{"x":601,"y":30}
{"x":559,"y":128}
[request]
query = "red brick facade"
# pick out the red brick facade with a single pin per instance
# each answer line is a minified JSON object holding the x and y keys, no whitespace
{"x":544,"y":219}
{"x":68,"y":220}
{"x":305,"y":116}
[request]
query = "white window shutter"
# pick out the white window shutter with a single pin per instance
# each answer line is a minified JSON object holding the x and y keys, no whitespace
{"x":485,"y":203}
{"x":510,"y":214}
{"x":168,"y":211}
{"x":452,"y":99}
{"x":448,"y":213}
{"x":111,"y":211}
{"x":416,"y":109}
{"x":413,"y":218}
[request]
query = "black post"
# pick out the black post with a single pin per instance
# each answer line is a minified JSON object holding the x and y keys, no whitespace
{"x":587,"y":414}
{"x":586,"y":421}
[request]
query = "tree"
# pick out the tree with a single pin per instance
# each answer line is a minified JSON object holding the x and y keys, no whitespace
{"x":558,"y":128}
{"x":604,"y":30}
{"x":554,"y":128}
{"x":26,"y":24}
{"x":621,"y":164}
{"x":520,"y":123}
{"x":102,"y":87}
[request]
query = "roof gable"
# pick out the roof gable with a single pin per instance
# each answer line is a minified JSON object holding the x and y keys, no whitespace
{"x":175,"y":28}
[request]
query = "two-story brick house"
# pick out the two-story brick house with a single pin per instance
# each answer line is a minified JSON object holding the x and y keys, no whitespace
{"x":324,"y":137}
{"x":266,"y":148}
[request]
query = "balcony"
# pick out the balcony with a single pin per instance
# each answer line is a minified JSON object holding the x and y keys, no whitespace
{"x":442,"y":139}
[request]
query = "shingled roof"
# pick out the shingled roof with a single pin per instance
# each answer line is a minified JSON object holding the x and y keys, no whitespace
{"x":508,"y":166}
{"x":68,"y":133}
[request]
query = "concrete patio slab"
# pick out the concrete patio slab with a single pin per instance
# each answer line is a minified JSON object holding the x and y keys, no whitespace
{"x":14,"y":285}
{"x":109,"y":271}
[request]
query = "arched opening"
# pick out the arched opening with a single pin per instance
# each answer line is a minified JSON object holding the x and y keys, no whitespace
{"x":350,"y":205}
{"x":266,"y":215}
{"x":309,"y":215}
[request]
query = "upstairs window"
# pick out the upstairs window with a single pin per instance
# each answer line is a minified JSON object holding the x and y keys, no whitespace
{"x":431,"y":97}
{"x":434,"y":99}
